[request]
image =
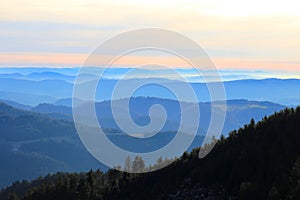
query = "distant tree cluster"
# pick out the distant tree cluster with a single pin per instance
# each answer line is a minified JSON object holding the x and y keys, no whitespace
{"x":138,"y":164}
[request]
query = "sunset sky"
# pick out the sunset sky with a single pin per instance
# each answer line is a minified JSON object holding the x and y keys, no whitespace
{"x":249,"y":35}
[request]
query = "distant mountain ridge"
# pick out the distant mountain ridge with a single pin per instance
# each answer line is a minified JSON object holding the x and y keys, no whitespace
{"x":239,"y":112}
{"x":280,"y":91}
{"x":16,"y":104}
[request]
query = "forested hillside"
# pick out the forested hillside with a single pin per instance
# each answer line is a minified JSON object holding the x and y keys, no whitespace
{"x":259,"y":161}
{"x":33,"y":144}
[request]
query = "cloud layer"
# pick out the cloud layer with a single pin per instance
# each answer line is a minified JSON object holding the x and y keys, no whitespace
{"x":235,"y":34}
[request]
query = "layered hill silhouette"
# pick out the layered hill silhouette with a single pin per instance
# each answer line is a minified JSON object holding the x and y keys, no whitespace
{"x":50,"y":87}
{"x":33,"y":144}
{"x":44,"y":140}
{"x":43,"y":144}
{"x":238,"y":113}
{"x":259,"y":161}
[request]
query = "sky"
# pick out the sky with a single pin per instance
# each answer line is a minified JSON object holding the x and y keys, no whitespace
{"x":237,"y":35}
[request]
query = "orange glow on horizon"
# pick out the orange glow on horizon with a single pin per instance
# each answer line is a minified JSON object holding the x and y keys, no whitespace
{"x":73,"y":60}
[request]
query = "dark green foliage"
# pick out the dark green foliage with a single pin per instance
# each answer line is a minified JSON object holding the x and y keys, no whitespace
{"x":13,"y":196}
{"x":294,"y":181}
{"x":274,"y":194}
{"x":260,"y":161}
